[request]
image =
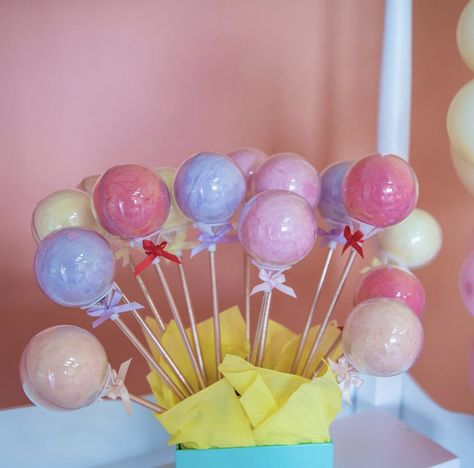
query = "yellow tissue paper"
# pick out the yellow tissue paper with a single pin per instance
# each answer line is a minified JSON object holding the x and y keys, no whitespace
{"x":249,"y":405}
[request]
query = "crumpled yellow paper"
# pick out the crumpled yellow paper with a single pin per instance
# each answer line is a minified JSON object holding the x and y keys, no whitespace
{"x":249,"y":405}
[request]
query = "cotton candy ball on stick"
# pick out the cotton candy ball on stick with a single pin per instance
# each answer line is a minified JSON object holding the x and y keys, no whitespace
{"x":248,"y":160}
{"x":382,"y":337}
{"x":289,"y":171}
{"x":75,"y":267}
{"x":393,"y":283}
{"x":87,"y":183}
{"x":465,"y":34}
{"x":62,"y":209}
{"x":413,"y":243}
{"x":466,"y":282}
{"x":380,"y":190}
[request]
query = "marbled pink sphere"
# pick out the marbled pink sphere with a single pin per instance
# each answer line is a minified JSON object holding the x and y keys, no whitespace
{"x":277,"y":228}
{"x":393,"y":283}
{"x":248,"y":160}
{"x":131,"y":201}
{"x":64,"y":368}
{"x":289,"y":171}
{"x":382,"y":337}
{"x":380,"y":190}
{"x":466,"y":282}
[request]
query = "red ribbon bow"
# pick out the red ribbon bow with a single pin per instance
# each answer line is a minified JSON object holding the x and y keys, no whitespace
{"x":353,"y":240}
{"x":153,"y":251}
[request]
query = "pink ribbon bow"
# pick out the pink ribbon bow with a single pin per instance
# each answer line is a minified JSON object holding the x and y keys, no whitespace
{"x":209,"y":239}
{"x":272,"y":280}
{"x":110,"y":307}
{"x":117,"y":389}
{"x":346,"y":376}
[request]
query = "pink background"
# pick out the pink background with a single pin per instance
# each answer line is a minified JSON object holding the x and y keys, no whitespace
{"x":85,"y":85}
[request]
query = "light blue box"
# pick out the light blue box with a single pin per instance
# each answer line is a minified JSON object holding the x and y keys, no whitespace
{"x":271,"y":456}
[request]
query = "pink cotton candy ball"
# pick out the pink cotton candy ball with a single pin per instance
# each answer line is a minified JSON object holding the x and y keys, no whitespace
{"x":382,"y":337}
{"x":248,"y":160}
{"x":277,"y":228}
{"x":392,"y":283}
{"x":380,"y":190}
{"x":131,"y":201}
{"x":466,"y":283}
{"x":64,"y":368}
{"x":289,"y":171}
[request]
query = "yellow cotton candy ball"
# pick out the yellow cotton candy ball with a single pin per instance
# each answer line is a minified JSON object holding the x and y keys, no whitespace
{"x":175,"y":217}
{"x":62,"y":209}
{"x":465,"y":34}
{"x":87,"y":184}
{"x":414,"y":242}
{"x":464,"y":169}
{"x":460,"y":121}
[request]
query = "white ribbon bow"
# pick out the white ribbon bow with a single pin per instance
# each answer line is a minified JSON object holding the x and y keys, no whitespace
{"x":346,"y":376}
{"x":117,"y":389}
{"x":272,"y":280}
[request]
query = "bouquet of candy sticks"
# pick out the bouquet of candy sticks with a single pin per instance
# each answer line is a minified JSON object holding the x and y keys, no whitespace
{"x":222,"y":382}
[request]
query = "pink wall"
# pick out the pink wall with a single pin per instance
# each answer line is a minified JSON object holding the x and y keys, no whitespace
{"x":85,"y":85}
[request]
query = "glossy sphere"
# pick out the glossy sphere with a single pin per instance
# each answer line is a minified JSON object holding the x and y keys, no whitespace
{"x":466,"y":283}
{"x":277,"y":228}
{"x":392,"y":283}
{"x":465,"y":34}
{"x":464,"y":169}
{"x":248,"y":160}
{"x":289,"y":171}
{"x":209,"y":188}
{"x":331,"y":204}
{"x":175,"y":217}
{"x":65,"y":208}
{"x":64,"y":368}
{"x":382,"y":337}
{"x":414,"y":242}
{"x":380,"y":190}
{"x":75,"y":267}
{"x":87,"y":184}
{"x":131,"y":201}
{"x":459,"y":120}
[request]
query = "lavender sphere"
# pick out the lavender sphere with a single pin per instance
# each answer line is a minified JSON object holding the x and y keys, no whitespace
{"x":382,"y":337}
{"x":289,"y":171}
{"x":380,"y":190}
{"x":331,"y":204}
{"x":75,"y":267}
{"x":209,"y":188}
{"x":64,"y":368}
{"x":277,"y":228}
{"x":131,"y":201}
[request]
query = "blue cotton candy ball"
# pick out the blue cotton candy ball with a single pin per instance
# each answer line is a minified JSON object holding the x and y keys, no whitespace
{"x":209,"y":188}
{"x":75,"y":267}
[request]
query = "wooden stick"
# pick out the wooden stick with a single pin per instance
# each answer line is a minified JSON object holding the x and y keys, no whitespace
{"x":192,"y":321}
{"x":215,"y":311}
{"x":331,"y":349}
{"x":146,"y":403}
{"x":312,"y":309}
{"x":267,"y":298}
{"x":247,"y":295}
{"x":258,"y":334}
{"x":148,"y":298}
{"x":149,"y":358}
{"x":179,"y":324}
{"x":322,"y":328}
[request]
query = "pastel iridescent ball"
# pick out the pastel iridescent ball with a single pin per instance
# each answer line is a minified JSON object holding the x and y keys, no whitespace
{"x":65,"y":208}
{"x":248,"y":160}
{"x":413,"y":243}
{"x":466,"y":283}
{"x":289,"y":171}
{"x":64,"y":368}
{"x":382,"y":337}
{"x":75,"y":267}
{"x":393,"y":283}
{"x":209,"y":188}
{"x":175,"y":217}
{"x":87,"y":184}
{"x":131,"y":201}
{"x":277,"y":228}
{"x":380,"y":190}
{"x":331,"y":204}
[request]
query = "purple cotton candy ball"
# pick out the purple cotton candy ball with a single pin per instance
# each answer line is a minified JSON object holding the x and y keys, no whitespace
{"x":466,"y":283}
{"x":277,"y":228}
{"x":331,"y":204}
{"x":289,"y":171}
